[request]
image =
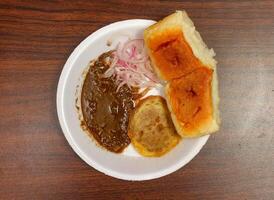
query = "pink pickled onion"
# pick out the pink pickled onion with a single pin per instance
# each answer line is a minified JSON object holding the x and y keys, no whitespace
{"x":130,"y":65}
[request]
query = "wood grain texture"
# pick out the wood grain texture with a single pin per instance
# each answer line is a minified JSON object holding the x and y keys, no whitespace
{"x":36,"y":162}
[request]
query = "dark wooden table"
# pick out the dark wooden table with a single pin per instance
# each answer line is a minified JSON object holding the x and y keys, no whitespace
{"x":36,"y":162}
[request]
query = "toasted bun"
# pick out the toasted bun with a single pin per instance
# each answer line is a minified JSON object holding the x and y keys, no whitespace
{"x":151,"y":130}
{"x":190,"y":102}
{"x":180,"y":57}
{"x":176,"y":48}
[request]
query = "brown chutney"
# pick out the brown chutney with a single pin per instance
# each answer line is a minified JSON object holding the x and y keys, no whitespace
{"x":106,"y":110}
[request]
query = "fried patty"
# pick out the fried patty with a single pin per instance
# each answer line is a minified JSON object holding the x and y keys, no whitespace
{"x":151,"y":130}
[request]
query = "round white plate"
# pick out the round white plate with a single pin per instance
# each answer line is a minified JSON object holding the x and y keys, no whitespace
{"x":129,"y":165}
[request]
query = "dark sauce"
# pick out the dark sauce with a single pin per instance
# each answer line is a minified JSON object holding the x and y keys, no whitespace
{"x":105,"y":110}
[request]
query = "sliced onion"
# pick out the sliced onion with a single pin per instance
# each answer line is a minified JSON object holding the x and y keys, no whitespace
{"x":111,"y":69}
{"x":132,"y":51}
{"x":130,"y":65}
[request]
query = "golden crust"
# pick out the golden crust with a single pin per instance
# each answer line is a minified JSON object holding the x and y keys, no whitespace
{"x":151,"y":130}
{"x":189,"y":99}
{"x":171,"y":54}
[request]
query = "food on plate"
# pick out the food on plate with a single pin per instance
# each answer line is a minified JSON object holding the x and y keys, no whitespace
{"x":189,"y":99}
{"x":105,"y":109}
{"x":151,"y":130}
{"x":172,"y":56}
{"x":181,"y":58}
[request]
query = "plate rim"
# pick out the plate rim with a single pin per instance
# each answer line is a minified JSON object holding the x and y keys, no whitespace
{"x":61,"y":116}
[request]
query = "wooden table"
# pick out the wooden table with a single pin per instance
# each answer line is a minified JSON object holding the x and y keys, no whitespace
{"x":36,"y":162}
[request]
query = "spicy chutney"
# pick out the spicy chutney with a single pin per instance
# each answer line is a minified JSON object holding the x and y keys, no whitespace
{"x":106,"y":110}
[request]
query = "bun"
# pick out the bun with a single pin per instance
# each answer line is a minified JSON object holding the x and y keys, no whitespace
{"x":181,"y":58}
{"x":190,"y":102}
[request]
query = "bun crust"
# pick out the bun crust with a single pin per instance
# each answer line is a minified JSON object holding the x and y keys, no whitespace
{"x":189,"y":100}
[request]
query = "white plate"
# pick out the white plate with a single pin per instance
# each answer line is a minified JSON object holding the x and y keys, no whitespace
{"x":129,"y":165}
